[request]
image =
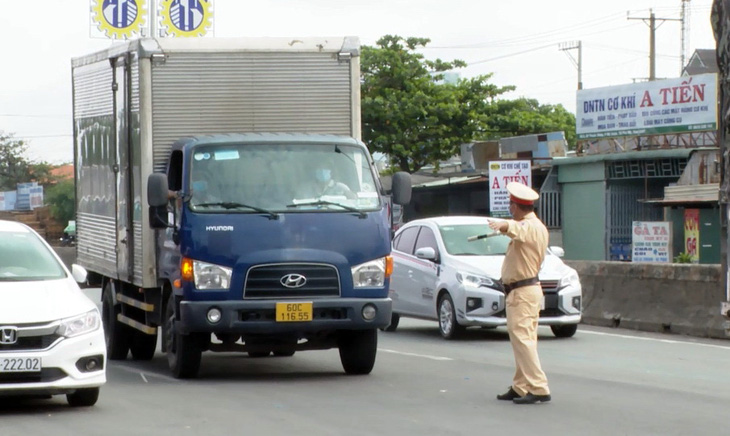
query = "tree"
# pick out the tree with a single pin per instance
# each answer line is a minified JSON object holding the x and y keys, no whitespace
{"x":61,"y":200}
{"x":526,"y":116}
{"x":14,"y":166}
{"x":409,"y":113}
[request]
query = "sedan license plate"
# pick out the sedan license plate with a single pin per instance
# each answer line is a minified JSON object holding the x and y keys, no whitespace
{"x":294,"y":312}
{"x":20,"y":364}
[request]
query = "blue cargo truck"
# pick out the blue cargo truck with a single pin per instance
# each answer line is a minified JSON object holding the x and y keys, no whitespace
{"x":226,"y":203}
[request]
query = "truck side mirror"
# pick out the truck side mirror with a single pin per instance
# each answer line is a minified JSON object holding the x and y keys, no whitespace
{"x":157,"y":192}
{"x":157,"y":198}
{"x":401,"y":188}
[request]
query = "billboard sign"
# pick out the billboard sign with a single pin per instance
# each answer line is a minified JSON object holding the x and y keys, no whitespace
{"x":118,"y":19}
{"x":501,"y":173}
{"x":651,"y":241}
{"x":684,"y":104}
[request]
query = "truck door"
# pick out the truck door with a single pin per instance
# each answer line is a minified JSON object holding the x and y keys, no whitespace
{"x":121,"y":77}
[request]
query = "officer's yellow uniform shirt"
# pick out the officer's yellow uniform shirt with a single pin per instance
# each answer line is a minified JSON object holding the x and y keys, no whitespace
{"x":526,"y":251}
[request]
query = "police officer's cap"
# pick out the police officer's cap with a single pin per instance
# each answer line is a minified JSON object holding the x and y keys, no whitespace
{"x":521,"y":194}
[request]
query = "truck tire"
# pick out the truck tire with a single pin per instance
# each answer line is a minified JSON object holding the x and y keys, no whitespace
{"x":183,"y":351}
{"x":116,"y":334}
{"x":83,"y":397}
{"x":357,"y":351}
{"x":564,"y":331}
{"x":143,"y":346}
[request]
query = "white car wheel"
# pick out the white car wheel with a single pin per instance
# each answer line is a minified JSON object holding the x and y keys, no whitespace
{"x":448,"y":325}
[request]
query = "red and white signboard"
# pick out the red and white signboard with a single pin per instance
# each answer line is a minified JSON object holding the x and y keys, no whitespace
{"x":651,"y":241}
{"x":501,"y":173}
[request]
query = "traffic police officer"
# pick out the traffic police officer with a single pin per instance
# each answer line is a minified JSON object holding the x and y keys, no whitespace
{"x":522,"y":261}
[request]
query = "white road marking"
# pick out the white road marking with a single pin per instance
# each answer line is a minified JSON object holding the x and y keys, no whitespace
{"x":124,"y":367}
{"x":141,"y":374}
{"x":425,"y":356}
{"x":666,"y":341}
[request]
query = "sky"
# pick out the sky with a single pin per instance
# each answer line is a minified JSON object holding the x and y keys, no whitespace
{"x":517,"y":42}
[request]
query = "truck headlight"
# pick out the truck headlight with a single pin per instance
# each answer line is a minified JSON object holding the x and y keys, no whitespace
{"x":475,"y":281}
{"x":210,"y":276}
{"x":369,"y":274}
{"x":80,"y":324}
{"x":571,"y":280}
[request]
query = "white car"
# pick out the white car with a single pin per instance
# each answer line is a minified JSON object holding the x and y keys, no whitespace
{"x":438,"y":274}
{"x":51,"y":335}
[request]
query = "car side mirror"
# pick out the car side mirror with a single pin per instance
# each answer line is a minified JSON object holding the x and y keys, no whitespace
{"x":558,"y":251}
{"x":79,"y":273}
{"x":427,"y":253}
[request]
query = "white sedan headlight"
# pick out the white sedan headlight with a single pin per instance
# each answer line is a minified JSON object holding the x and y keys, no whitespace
{"x":78,"y":325}
{"x":369,"y":274}
{"x":210,"y":276}
{"x":474,"y":281}
{"x":571,"y":280}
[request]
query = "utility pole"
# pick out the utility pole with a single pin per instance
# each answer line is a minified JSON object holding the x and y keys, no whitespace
{"x":565,"y":46}
{"x":685,"y":33}
{"x":652,"y":39}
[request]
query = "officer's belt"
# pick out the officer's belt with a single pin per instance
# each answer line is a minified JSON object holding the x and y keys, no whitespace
{"x":509,"y":287}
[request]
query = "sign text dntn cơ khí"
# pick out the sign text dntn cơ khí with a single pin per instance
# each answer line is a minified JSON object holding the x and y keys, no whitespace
{"x":684,"y":104}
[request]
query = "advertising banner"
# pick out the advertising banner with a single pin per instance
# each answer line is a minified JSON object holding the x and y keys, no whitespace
{"x":692,"y":234}
{"x":501,"y":173}
{"x":684,"y":104}
{"x":651,"y":241}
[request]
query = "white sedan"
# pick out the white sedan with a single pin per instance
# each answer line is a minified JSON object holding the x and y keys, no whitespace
{"x":51,"y":335}
{"x":438,"y":274}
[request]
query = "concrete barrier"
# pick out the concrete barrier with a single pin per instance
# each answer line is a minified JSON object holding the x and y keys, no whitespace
{"x":676,"y":298}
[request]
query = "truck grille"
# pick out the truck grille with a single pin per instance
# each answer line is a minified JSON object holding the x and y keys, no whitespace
{"x":267,"y":281}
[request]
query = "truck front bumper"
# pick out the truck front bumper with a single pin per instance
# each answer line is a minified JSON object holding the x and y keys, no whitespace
{"x":260,"y":316}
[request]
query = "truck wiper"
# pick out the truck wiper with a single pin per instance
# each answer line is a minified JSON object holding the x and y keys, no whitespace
{"x":359,"y":213}
{"x":234,"y":205}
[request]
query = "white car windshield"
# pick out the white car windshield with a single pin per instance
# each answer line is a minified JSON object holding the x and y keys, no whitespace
{"x":455,"y":239}
{"x":274,"y":178}
{"x":24,"y":257}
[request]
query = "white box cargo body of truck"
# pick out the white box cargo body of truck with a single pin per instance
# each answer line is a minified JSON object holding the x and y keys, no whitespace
{"x":133,"y":100}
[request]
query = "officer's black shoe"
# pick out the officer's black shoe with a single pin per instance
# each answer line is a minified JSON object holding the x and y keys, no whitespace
{"x":509,"y":395}
{"x":532,"y":399}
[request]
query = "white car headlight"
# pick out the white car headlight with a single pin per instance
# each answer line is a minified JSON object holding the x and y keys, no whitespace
{"x":210,"y":276}
{"x":474,"y":281}
{"x":369,"y":274}
{"x":78,"y":325}
{"x":569,"y":280}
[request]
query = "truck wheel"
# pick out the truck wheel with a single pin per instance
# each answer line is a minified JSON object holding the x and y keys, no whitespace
{"x":143,"y":346}
{"x":183,"y":351}
{"x":394,"y":320}
{"x":116,"y":334}
{"x":564,"y":331}
{"x":83,"y":397}
{"x":357,"y":350}
{"x":448,"y":325}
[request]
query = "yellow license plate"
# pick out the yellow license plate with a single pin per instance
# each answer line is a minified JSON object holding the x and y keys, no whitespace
{"x":294,"y":312}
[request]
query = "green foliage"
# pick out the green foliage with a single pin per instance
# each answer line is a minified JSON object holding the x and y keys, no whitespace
{"x":409,"y":114}
{"x":683,"y":258}
{"x":14,"y":167}
{"x":527,"y":116}
{"x":61,"y":200}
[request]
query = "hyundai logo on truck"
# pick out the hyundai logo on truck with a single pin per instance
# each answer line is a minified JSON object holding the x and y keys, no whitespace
{"x":293,"y":281}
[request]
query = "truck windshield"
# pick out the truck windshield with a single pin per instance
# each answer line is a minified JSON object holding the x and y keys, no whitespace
{"x":281,"y":178}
